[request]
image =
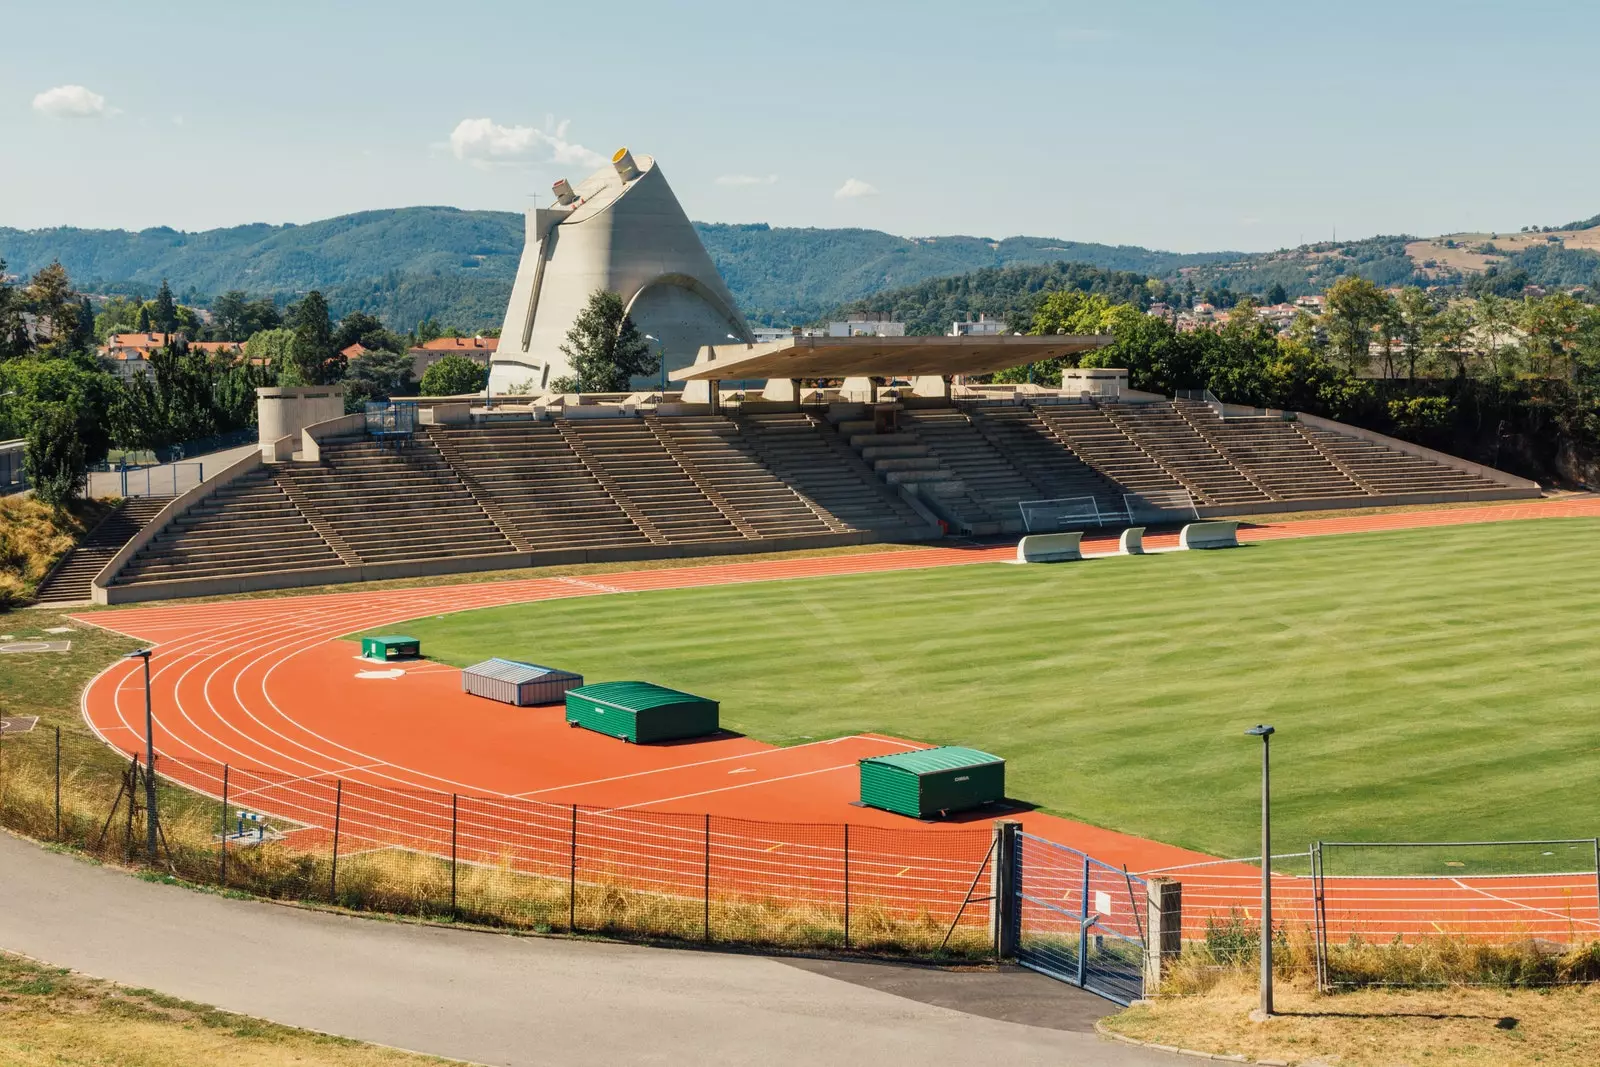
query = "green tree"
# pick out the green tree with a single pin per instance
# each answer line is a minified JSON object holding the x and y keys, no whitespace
{"x":1356,"y":309}
{"x":270,"y":349}
{"x":56,"y":455}
{"x":428,"y":330}
{"x":14,"y":339}
{"x":165,"y":314}
{"x":141,"y":321}
{"x":454,"y":376}
{"x":1277,"y":294}
{"x":1067,"y":311}
{"x":49,"y":296}
{"x":1418,"y":327}
{"x":312,"y":358}
{"x":605,"y":349}
{"x":379,"y":373}
{"x":360,"y":328}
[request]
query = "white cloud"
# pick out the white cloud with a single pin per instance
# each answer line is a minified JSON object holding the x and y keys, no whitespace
{"x":853,"y":189}
{"x":746,"y":179}
{"x":486,"y":143}
{"x":70,"y":102}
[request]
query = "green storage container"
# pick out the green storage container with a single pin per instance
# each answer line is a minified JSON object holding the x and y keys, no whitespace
{"x":394,"y":646}
{"x":932,"y":781}
{"x":640,"y":712}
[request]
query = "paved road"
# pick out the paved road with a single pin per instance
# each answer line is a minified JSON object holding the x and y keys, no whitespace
{"x":496,"y":999}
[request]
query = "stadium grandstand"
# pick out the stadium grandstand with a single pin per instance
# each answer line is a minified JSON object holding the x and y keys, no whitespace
{"x":800,"y":443}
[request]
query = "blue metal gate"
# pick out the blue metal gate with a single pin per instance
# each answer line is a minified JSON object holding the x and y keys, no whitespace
{"x":1079,"y":920}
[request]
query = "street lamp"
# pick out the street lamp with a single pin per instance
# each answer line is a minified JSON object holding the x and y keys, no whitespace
{"x":1265,"y":732}
{"x":149,"y":757}
{"x":661,"y":358}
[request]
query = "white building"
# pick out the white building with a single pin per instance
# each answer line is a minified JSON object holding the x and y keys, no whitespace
{"x":983,"y":327}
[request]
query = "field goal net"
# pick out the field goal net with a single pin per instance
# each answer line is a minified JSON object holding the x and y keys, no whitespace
{"x":1165,"y":506}
{"x":1063,"y":513}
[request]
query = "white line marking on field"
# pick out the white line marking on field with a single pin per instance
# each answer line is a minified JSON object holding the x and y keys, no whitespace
{"x":726,"y":788}
{"x":599,"y":587}
{"x":743,"y":770}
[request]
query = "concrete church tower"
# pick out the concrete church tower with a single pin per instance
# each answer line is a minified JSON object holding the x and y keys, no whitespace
{"x":619,"y":229}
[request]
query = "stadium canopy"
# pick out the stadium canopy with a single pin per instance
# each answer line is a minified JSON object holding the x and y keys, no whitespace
{"x":879,"y":357}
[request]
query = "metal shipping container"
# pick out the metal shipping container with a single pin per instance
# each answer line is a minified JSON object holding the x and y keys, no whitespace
{"x":641,"y":711}
{"x":522,"y":684}
{"x":932,"y":781}
{"x":392,"y":646}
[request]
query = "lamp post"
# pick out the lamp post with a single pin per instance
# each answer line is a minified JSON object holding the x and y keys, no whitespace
{"x":151,"y":828}
{"x":1265,"y":732}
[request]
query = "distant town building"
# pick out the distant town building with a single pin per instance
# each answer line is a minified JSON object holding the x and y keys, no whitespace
{"x":129,"y":353}
{"x":984,"y":326}
{"x":867,"y":324}
{"x":478,"y":349}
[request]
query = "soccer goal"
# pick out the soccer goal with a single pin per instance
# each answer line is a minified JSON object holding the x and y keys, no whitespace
{"x":1167,"y":506}
{"x":1062,"y":513}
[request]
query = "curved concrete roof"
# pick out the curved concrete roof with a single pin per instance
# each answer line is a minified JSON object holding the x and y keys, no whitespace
{"x":880,"y":357}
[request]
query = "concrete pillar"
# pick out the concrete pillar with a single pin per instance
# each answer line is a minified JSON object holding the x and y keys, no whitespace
{"x":716,"y":396}
{"x":935,"y":385}
{"x":1163,"y":931}
{"x":860,"y":390}
{"x":782,"y":390}
{"x":1004,"y":877}
{"x":696,"y":392}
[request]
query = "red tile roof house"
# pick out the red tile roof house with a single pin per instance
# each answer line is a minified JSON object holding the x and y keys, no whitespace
{"x":129,"y":353}
{"x":477,"y":349}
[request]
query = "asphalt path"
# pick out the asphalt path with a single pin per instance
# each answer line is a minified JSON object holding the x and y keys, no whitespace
{"x":499,"y":999}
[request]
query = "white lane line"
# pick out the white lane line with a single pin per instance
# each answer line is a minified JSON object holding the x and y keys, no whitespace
{"x":728,"y":788}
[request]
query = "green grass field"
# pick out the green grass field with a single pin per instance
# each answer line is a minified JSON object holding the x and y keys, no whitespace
{"x":1426,"y":685}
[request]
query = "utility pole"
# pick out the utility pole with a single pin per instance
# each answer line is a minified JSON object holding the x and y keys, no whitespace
{"x":1265,"y":732}
{"x":152,"y":829}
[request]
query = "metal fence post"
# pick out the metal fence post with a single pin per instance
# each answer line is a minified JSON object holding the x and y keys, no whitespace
{"x":338,"y":812}
{"x":846,"y":885}
{"x":222,"y":873}
{"x":708,"y":878}
{"x":1005,"y":884}
{"x":572,"y":877}
{"x":1083,"y":925}
{"x":453,"y":820}
{"x":58,"y":783}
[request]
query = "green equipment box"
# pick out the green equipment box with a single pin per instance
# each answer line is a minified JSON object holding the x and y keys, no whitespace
{"x":394,"y":646}
{"x":933,"y":781}
{"x":640,"y":711}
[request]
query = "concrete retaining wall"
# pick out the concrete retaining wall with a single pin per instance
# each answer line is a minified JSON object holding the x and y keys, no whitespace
{"x":103,"y":591}
{"x":311,"y":437}
{"x":374,"y":572}
{"x":288,"y":409}
{"x":1509,"y":480}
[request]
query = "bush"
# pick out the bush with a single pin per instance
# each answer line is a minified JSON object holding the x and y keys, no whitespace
{"x":453,"y":376}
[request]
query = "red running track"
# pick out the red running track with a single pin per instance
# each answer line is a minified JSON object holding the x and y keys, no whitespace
{"x":266,"y":687}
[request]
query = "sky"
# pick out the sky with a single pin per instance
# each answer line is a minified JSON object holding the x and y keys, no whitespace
{"x":1185,"y":126}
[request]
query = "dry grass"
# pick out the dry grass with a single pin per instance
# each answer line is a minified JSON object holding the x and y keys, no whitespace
{"x":54,"y":1018}
{"x":32,"y":537}
{"x":399,"y":882}
{"x":1454,"y":1027}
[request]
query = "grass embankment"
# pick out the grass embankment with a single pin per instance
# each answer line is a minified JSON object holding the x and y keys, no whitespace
{"x":1456,"y":1027}
{"x":53,"y":1018}
{"x":33,"y":537}
{"x":1426,"y":685}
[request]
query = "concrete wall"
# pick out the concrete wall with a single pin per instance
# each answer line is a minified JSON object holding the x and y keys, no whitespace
{"x":311,"y":437}
{"x":192,"y":587}
{"x":288,"y":409}
{"x":633,"y":239}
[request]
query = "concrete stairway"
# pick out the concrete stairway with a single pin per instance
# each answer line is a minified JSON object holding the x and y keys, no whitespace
{"x":1101,"y":443}
{"x":903,"y":458}
{"x":389,"y":503}
{"x":532,"y":476}
{"x":1387,"y":471}
{"x":72,"y":580}
{"x":1044,"y":456}
{"x":807,"y":454}
{"x":248,"y":526}
{"x":711,"y":451}
{"x":636,"y":468}
{"x":1276,"y":457}
{"x":1179,"y":447}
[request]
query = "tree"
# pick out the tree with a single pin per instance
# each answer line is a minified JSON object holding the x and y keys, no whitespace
{"x":14,"y":339}
{"x":1418,"y":322}
{"x":49,"y":294}
{"x":1356,"y":307}
{"x":378,"y":374}
{"x":605,"y":349}
{"x":454,"y":376}
{"x":428,"y":330}
{"x":1277,"y":294}
{"x":360,"y":328}
{"x":165,"y":315}
{"x":270,"y":349}
{"x":312,"y":358}
{"x":57,"y":456}
{"x":141,"y":322}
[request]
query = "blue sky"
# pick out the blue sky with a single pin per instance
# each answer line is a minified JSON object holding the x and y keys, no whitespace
{"x":1187,"y":126}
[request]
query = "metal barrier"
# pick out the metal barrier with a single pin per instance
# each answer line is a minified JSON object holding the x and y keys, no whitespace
{"x":13,"y":468}
{"x":168,"y":480}
{"x":1079,"y":920}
